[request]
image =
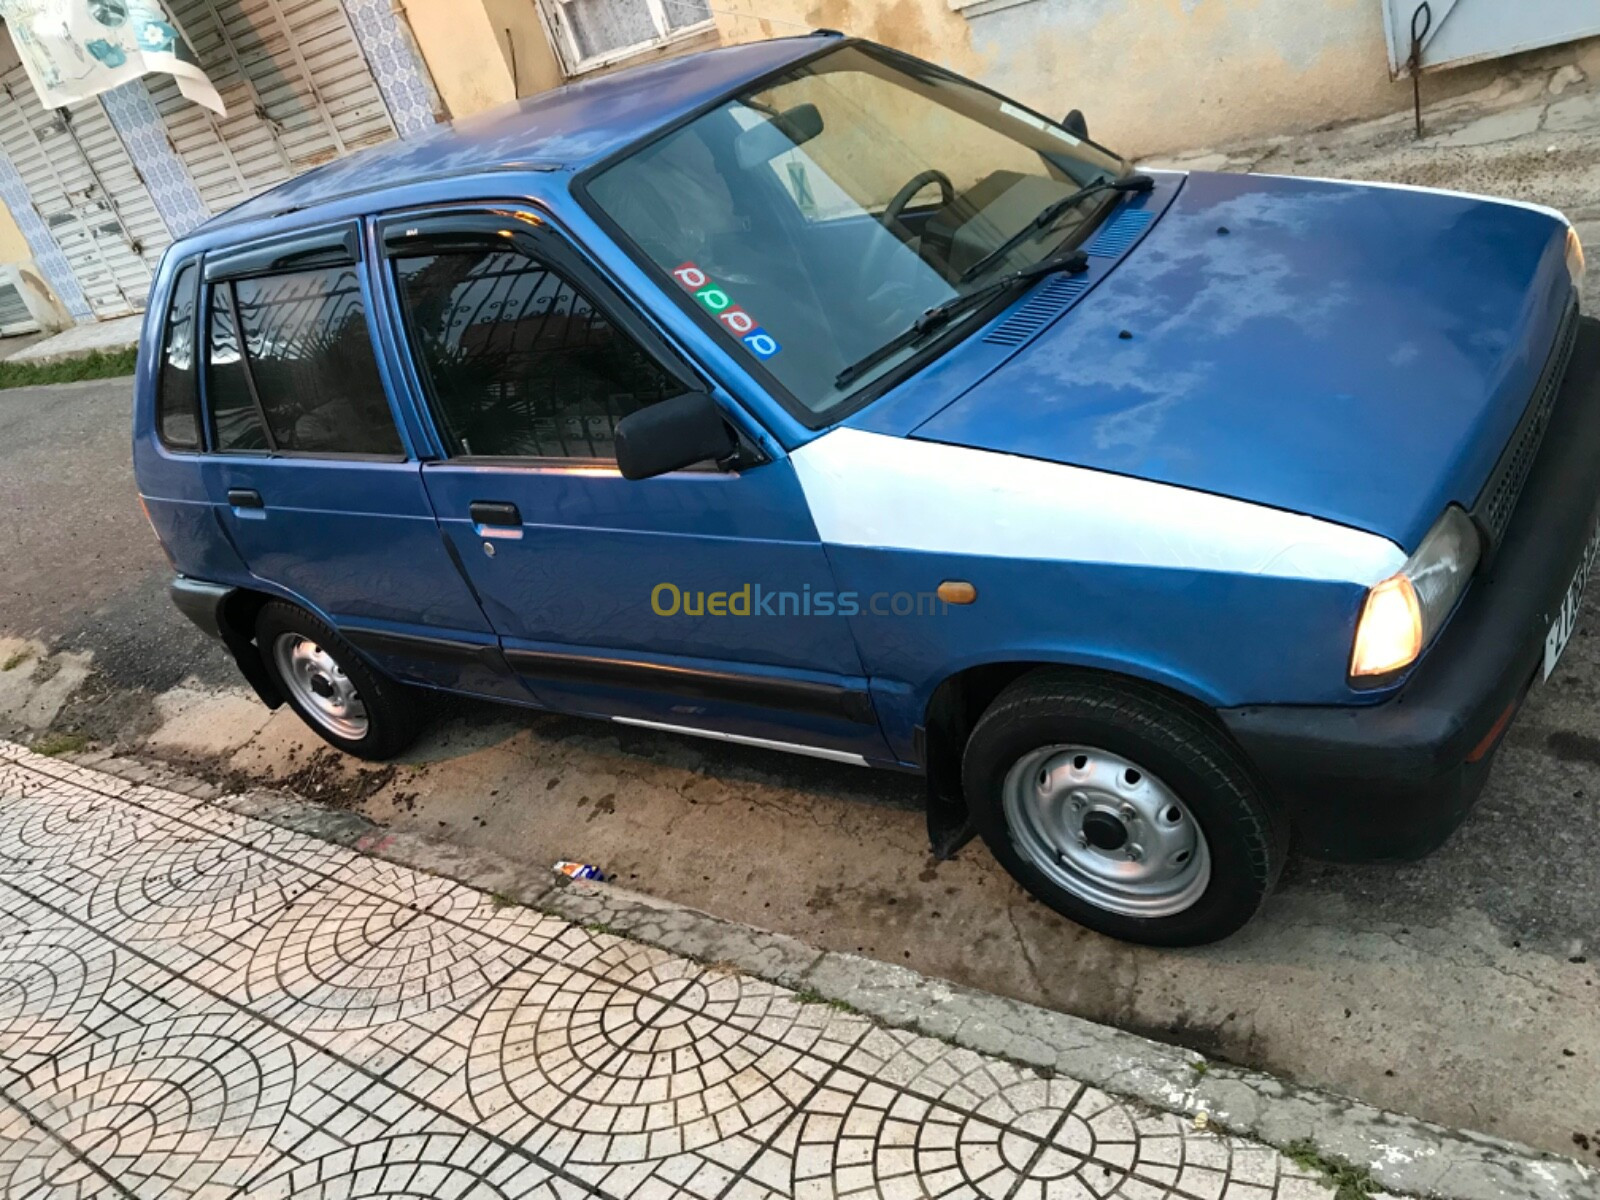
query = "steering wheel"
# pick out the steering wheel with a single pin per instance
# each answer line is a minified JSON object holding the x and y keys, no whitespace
{"x":897,"y":205}
{"x":876,"y":260}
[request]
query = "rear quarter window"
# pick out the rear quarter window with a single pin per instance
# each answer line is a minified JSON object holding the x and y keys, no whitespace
{"x":177,"y":398}
{"x":290,"y":367}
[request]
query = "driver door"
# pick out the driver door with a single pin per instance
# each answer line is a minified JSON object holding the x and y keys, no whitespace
{"x":639,"y":600}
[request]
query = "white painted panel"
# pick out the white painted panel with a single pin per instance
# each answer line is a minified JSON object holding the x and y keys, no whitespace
{"x":869,"y":489}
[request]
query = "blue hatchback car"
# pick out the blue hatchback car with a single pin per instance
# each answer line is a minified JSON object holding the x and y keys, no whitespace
{"x":805,"y":395}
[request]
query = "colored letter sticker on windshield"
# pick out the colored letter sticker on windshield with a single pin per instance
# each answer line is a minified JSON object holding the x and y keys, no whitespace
{"x":761,"y":343}
{"x":690,"y":277}
{"x":720,"y":305}
{"x":737,"y":320}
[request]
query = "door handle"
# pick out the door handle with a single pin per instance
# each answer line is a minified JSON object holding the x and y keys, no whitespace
{"x":496,"y":519}
{"x":245,"y":498}
{"x":495,"y":512}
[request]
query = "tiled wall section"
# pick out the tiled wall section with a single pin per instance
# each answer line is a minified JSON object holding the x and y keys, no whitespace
{"x":393,"y":63}
{"x":46,"y":253}
{"x":139,"y":124}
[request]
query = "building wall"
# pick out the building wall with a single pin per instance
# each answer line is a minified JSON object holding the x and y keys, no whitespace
{"x":14,"y":247}
{"x":525,"y":43}
{"x":463,"y":54}
{"x":1150,"y":75}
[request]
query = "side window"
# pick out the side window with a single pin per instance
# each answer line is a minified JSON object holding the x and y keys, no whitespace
{"x":177,"y":398}
{"x":305,"y":365}
{"x":518,"y":362}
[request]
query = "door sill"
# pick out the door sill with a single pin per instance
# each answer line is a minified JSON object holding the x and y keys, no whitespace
{"x":740,"y":739}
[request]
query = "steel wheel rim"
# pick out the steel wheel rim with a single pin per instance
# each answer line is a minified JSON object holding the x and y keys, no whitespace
{"x":1068,"y":806}
{"x":320,"y":686}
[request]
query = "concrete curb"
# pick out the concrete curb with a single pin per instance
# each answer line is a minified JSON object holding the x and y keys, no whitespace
{"x":1403,"y":1154}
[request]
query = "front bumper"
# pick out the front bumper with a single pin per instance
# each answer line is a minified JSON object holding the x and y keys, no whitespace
{"x":1393,"y":780}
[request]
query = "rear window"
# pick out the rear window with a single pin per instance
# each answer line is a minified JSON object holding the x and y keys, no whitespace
{"x":177,"y":407}
{"x":304,"y":362}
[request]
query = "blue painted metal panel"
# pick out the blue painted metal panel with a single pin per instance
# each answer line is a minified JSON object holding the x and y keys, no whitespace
{"x":989,"y":348}
{"x":354,"y":541}
{"x":595,"y":546}
{"x":1356,"y":353}
{"x":1222,"y":639}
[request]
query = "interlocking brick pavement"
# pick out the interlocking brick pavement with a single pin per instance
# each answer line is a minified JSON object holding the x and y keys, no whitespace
{"x":196,"y":1003}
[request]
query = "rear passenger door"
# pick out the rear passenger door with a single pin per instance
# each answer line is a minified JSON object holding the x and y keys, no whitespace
{"x":309,"y":474}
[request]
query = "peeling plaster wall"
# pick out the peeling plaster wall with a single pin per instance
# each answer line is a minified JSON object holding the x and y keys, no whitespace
{"x":463,"y":53}
{"x":1151,"y":75}
{"x":525,"y":45}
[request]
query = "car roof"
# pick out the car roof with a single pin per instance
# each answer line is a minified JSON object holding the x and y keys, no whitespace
{"x":565,"y":129}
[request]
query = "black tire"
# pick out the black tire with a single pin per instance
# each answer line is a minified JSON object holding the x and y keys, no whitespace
{"x":1246,"y":836}
{"x":393,"y":714}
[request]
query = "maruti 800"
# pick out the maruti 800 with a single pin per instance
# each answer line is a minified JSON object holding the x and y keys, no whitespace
{"x":1245,"y":507}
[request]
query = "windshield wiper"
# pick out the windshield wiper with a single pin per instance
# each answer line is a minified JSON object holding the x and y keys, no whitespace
{"x":941,"y":315}
{"x":1048,"y":215}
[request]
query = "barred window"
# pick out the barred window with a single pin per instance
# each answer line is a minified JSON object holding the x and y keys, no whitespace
{"x":520,"y":363}
{"x":306,"y":361}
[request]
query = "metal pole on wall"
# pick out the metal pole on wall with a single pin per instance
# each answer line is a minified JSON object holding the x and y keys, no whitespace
{"x":1421,"y":22}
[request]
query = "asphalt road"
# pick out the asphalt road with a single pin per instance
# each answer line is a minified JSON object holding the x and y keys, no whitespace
{"x":1459,"y":988}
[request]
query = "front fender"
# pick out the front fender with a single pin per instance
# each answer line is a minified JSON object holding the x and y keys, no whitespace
{"x":1220,"y":639}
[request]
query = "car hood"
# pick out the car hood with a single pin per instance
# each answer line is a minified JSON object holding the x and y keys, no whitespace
{"x":1359,"y":353}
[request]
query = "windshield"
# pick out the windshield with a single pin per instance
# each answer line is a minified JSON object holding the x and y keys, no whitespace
{"x":817,"y":216}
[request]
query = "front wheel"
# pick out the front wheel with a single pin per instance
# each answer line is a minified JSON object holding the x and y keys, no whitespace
{"x":1122,"y":809}
{"x":333,"y":689}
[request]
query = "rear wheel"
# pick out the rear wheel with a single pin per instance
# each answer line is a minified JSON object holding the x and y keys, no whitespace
{"x":1122,"y":809}
{"x":349,"y":704}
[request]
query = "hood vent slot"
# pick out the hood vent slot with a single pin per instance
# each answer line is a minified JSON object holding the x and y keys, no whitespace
{"x":1120,"y":232}
{"x":1046,"y":303}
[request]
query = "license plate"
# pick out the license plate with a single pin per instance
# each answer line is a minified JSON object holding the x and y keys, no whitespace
{"x":1567,"y":619}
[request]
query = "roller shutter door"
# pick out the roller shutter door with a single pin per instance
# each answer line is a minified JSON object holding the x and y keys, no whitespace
{"x":296,"y":85}
{"x":85,"y":188}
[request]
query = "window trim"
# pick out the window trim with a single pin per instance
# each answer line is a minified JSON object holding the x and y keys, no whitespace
{"x":488,"y":227}
{"x":346,"y":235}
{"x":336,"y":246}
{"x":196,"y":294}
{"x":226,"y":285}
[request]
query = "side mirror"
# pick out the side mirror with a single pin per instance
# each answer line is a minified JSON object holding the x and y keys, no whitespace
{"x":777,"y":135}
{"x":1074,"y":124}
{"x":671,"y":435}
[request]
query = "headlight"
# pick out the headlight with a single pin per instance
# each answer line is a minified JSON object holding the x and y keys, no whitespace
{"x":1403,"y":613}
{"x":1575,"y":263}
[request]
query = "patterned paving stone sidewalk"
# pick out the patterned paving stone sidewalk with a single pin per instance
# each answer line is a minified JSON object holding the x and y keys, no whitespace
{"x":194,"y":1003}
